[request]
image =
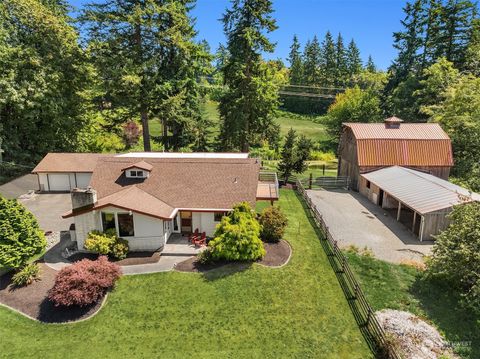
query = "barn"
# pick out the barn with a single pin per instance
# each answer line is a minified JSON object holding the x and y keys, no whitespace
{"x":366,"y":147}
{"x":419,"y":200}
{"x":61,"y":172}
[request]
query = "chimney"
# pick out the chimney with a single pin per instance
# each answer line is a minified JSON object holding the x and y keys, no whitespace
{"x":83,"y":198}
{"x":393,"y":122}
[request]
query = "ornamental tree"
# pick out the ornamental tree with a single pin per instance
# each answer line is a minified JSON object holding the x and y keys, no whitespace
{"x":20,"y":235}
{"x":456,"y":253}
{"x":237,"y":237}
{"x":273,"y":223}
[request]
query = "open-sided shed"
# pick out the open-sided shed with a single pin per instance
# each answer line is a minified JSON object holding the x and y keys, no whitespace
{"x":419,"y":200}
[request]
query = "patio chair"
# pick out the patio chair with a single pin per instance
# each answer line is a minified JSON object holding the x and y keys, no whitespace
{"x":202,"y":241}
{"x":194,"y":236}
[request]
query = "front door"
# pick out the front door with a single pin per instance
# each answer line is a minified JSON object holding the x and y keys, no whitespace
{"x":186,"y":221}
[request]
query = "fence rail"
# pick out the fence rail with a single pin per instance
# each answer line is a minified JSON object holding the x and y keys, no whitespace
{"x":362,"y":311}
{"x":329,"y":182}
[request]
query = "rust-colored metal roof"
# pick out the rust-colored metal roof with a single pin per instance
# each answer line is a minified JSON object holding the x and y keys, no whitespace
{"x":412,"y":144}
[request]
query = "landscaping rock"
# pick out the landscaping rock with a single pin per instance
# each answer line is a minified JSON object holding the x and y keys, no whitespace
{"x":414,"y":338}
{"x":52,"y":238}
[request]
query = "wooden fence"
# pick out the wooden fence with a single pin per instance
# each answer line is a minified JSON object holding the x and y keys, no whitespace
{"x":328,"y":182}
{"x":362,"y":311}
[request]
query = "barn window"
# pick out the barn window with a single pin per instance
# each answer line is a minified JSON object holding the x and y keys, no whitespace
{"x":368,"y":184}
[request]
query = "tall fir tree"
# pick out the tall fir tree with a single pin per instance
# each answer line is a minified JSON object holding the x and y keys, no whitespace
{"x":146,"y":52}
{"x":370,"y":66}
{"x":328,"y":60}
{"x":472,"y":56}
{"x":431,"y":19}
{"x":249,"y":103}
{"x":341,"y":76}
{"x":354,"y":62}
{"x":312,"y":61}
{"x":296,"y":63}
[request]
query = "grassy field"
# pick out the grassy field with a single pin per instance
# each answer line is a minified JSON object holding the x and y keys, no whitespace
{"x":296,"y":311}
{"x":301,"y":123}
{"x":402,"y":287}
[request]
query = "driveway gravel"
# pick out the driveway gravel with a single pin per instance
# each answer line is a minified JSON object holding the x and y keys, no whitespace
{"x":354,"y":220}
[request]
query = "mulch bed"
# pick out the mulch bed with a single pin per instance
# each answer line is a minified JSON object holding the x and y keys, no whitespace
{"x":277,"y":255}
{"x":133,"y":258}
{"x":32,"y":299}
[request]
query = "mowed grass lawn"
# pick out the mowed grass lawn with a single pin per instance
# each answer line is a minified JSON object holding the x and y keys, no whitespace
{"x":295,"y":311}
{"x":303,"y":124}
{"x":402,"y":287}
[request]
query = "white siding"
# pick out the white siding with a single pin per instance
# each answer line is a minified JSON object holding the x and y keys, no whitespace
{"x":42,"y":180}
{"x":85,"y":223}
{"x":204,"y":221}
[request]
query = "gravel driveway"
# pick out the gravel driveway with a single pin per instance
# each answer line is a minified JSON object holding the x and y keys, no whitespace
{"x":353,"y":220}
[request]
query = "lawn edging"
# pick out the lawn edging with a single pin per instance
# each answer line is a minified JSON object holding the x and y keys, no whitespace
{"x":283,"y":264}
{"x":371,"y":329}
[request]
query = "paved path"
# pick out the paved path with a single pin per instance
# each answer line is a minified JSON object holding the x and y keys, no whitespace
{"x":48,"y":209}
{"x":353,"y":220}
{"x":19,"y":186}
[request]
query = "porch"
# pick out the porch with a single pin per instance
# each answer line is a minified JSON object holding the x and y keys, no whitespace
{"x":267,"y":188}
{"x":178,"y":245}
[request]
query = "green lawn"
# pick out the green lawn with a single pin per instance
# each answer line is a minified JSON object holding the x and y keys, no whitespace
{"x":296,"y":311}
{"x":303,"y":124}
{"x":402,"y":287}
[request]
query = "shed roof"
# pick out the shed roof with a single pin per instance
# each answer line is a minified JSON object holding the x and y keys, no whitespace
{"x":410,"y":144}
{"x":420,"y":191}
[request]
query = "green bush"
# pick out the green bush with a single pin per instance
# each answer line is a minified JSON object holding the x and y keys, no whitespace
{"x":26,"y":275}
{"x":99,"y":242}
{"x":205,"y":256}
{"x":322,"y":156}
{"x":237,"y":236}
{"x":120,"y":249}
{"x":107,"y":243}
{"x":20,"y":235}
{"x":273,"y":223}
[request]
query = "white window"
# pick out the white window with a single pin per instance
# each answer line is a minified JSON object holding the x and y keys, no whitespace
{"x":122,"y":223}
{"x":137,"y":174}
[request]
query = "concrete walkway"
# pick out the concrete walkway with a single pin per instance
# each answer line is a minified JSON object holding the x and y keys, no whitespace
{"x":354,"y":220}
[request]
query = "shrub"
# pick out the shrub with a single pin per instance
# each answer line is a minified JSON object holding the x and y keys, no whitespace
{"x":237,"y":236}
{"x":205,"y":256}
{"x":20,"y":236}
{"x":26,"y":275}
{"x":107,"y":243}
{"x":120,"y":248}
{"x":84,"y":282}
{"x":455,"y":254}
{"x":273,"y":223}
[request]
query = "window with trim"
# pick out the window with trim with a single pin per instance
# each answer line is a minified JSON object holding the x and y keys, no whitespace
{"x":137,"y":174}
{"x":108,"y":221}
{"x":125,"y":225}
{"x":217,"y":216}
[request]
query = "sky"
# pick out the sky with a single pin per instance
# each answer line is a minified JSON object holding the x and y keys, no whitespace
{"x":370,"y":22}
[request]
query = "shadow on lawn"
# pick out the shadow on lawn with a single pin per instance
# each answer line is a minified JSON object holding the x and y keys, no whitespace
{"x":349,"y":295}
{"x":226,"y":270}
{"x":461,"y":327}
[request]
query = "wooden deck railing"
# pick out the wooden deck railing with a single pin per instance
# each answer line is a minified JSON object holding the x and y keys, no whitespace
{"x":361,"y":309}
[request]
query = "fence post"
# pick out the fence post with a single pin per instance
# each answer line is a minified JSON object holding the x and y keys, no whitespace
{"x":323,"y":168}
{"x":310,"y":181}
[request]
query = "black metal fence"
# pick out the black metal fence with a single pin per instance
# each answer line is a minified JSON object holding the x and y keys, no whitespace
{"x":364,"y":315}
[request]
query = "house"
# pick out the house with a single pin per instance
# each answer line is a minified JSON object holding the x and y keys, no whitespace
{"x":366,"y":147}
{"x":146,"y":197}
{"x":419,"y":200}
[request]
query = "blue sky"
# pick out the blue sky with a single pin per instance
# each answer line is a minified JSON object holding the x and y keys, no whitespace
{"x":370,"y":22}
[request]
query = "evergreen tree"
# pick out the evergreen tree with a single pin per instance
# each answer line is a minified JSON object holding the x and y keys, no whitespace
{"x":146,"y":52}
{"x":328,"y":60}
{"x":312,"y":62}
{"x":455,"y":32}
{"x":354,"y":62}
{"x":370,"y":66}
{"x":296,"y":64}
{"x":294,"y":155}
{"x":472,"y":56}
{"x":408,"y":43}
{"x":251,"y":98}
{"x":431,"y":23}
{"x":341,"y":62}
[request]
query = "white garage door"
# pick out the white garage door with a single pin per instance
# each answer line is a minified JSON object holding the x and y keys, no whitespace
{"x":59,"y":181}
{"x":83,"y":179}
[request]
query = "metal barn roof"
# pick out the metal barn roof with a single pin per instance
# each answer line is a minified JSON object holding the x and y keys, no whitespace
{"x":409,"y":144}
{"x":420,"y":191}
